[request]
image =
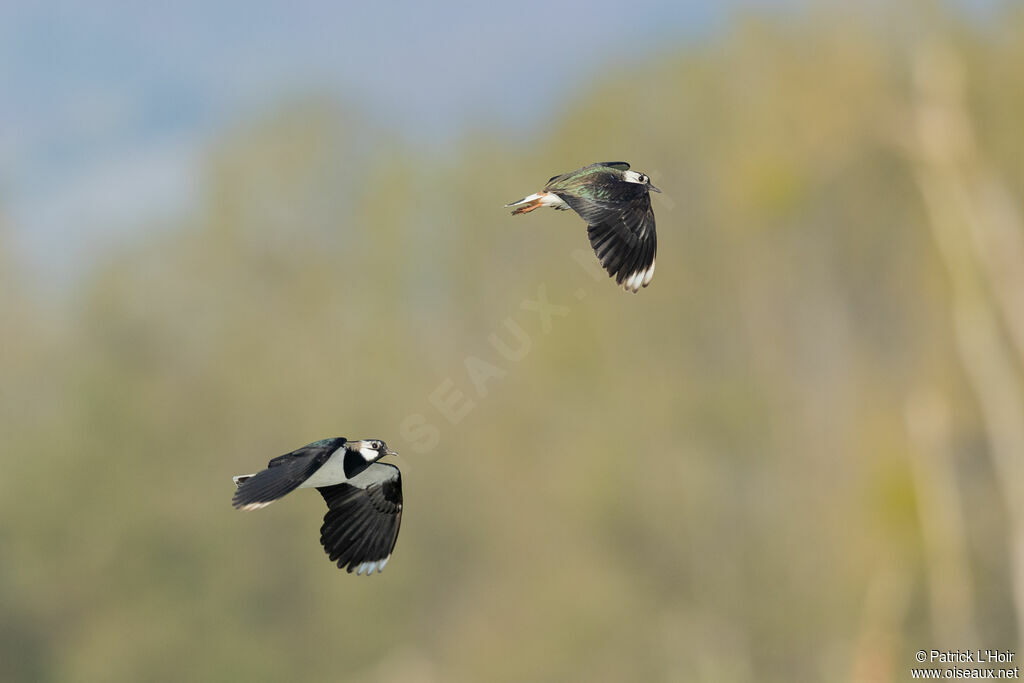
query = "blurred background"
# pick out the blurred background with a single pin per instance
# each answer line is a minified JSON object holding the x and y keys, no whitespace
{"x":228,"y":231}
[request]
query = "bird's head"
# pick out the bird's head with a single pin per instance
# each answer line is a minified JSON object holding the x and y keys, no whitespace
{"x":639,"y":179}
{"x":372,"y":450}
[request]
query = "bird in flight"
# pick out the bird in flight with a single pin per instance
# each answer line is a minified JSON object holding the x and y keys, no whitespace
{"x":616,"y":205}
{"x":364,"y":497}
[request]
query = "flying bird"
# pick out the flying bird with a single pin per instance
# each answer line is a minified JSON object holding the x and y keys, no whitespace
{"x":364,"y":497}
{"x":616,"y":205}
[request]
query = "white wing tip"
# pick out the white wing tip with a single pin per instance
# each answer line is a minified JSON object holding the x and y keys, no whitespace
{"x":370,"y":567}
{"x":632,"y":283}
{"x":650,"y":274}
{"x":256,"y":506}
{"x":640,"y":278}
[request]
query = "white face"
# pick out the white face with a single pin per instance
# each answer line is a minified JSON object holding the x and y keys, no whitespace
{"x":371,"y":450}
{"x":634,"y":177}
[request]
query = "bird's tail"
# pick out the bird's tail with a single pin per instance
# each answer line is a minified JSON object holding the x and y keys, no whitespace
{"x":537,"y":200}
{"x":242,"y":478}
{"x":527,"y":204}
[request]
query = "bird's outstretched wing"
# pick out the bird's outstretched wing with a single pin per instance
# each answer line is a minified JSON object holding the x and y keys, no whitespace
{"x":621,"y":228}
{"x":361,"y":525}
{"x":283,"y":475}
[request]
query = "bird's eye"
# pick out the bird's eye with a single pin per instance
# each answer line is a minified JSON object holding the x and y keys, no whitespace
{"x":643,"y":178}
{"x":376,"y":445}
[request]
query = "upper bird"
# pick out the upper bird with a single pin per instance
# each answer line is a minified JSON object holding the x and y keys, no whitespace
{"x":364,"y":497}
{"x":616,"y":204}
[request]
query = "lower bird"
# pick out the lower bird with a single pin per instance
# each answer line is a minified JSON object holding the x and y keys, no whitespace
{"x":616,"y":205}
{"x":364,"y":497}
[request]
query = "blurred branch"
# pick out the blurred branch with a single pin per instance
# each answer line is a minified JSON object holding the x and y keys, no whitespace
{"x":942,"y":522}
{"x":961,"y":216}
{"x":998,"y":234}
{"x":876,"y":657}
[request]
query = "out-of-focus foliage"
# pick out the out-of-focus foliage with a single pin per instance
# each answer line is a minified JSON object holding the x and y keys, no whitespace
{"x":709,"y":481}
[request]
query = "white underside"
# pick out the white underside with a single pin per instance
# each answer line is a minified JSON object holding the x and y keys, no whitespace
{"x":330,"y":473}
{"x":554,"y":201}
{"x":333,"y":471}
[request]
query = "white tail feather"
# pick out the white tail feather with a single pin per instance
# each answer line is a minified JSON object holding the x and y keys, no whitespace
{"x":525,"y":200}
{"x":546,"y":199}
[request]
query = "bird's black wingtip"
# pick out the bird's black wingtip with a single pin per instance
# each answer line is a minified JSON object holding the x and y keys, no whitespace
{"x":242,"y":504}
{"x":253,"y":492}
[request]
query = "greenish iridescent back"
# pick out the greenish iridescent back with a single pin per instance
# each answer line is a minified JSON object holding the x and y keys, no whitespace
{"x":319,"y":444}
{"x":577,"y":182}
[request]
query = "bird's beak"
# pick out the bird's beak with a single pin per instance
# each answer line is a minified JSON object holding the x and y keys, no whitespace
{"x":388,"y":451}
{"x":652,"y":188}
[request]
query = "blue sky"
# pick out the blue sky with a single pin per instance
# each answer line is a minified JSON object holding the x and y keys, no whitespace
{"x":108,"y":105}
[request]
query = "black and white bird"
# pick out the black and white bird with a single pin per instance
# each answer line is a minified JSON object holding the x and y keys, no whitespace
{"x":616,"y":205}
{"x":364,"y":497}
